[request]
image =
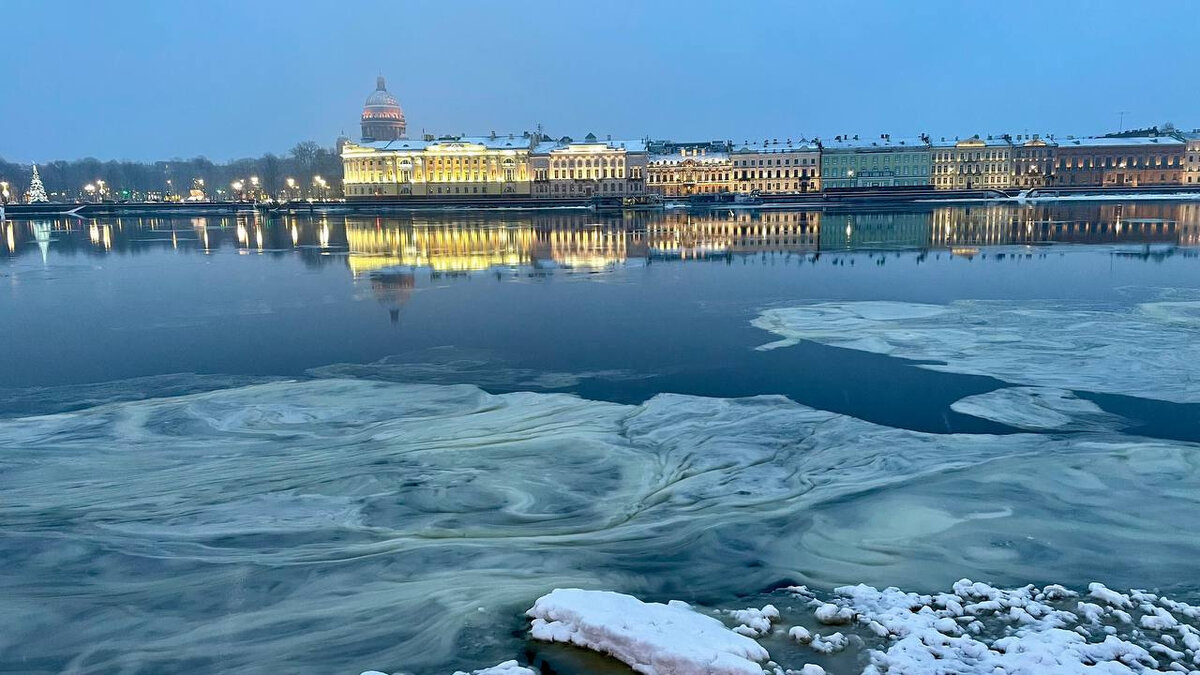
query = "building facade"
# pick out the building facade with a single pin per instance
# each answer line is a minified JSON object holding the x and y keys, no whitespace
{"x":685,"y":169}
{"x":1191,"y":162}
{"x":454,"y":166}
{"x":774,"y":168}
{"x":1117,"y":162}
{"x":1033,"y":162}
{"x":382,"y":116}
{"x":567,"y":169}
{"x":972,"y":164}
{"x":847,"y":162}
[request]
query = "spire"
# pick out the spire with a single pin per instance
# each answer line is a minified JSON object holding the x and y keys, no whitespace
{"x":380,"y":84}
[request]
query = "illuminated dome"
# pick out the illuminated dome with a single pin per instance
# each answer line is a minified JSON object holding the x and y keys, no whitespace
{"x":382,"y":117}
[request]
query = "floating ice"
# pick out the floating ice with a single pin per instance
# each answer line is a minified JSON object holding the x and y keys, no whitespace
{"x":506,"y":668}
{"x":333,"y":514}
{"x":1150,"y":349}
{"x":1034,"y":408}
{"x":654,"y":639}
{"x":980,"y":629}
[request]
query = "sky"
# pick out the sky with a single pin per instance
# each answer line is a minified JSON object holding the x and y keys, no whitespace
{"x":149,"y":80}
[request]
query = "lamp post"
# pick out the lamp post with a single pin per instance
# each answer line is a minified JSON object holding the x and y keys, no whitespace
{"x":90,"y":190}
{"x":291,"y":183}
{"x":100,"y":189}
{"x":254,"y":186}
{"x":237,"y":186}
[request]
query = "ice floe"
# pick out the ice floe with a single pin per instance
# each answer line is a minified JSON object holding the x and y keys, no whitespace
{"x":981,"y":629}
{"x":422,"y":516}
{"x":1035,"y":408}
{"x":652,"y":638}
{"x":1149,"y":349}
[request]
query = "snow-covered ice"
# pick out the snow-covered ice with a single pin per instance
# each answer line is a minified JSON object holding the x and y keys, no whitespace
{"x":652,"y":638}
{"x":1034,"y":408}
{"x":402,"y":509}
{"x":1148,"y":349}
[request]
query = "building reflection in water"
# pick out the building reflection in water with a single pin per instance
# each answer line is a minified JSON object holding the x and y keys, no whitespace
{"x":536,"y":242}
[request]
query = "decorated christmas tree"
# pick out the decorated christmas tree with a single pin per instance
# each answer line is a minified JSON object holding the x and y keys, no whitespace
{"x":37,"y":191}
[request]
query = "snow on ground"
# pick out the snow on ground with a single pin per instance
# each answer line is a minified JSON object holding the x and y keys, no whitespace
{"x":653,"y":638}
{"x":1150,"y":349}
{"x":980,"y":629}
{"x":1034,"y":408}
{"x":974,"y":629}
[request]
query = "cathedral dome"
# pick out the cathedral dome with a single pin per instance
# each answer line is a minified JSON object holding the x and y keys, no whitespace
{"x":382,"y":116}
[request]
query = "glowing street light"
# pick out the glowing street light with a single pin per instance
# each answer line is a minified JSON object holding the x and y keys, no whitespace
{"x":90,"y":189}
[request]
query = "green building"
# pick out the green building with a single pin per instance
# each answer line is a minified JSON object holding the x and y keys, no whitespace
{"x":847,"y":162}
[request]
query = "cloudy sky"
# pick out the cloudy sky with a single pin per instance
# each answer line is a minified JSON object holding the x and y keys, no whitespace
{"x":149,"y":80}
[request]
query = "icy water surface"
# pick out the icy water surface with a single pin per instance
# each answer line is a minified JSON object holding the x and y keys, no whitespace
{"x":341,"y":443}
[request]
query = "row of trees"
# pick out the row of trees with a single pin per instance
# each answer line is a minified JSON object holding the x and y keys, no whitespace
{"x":66,"y":180}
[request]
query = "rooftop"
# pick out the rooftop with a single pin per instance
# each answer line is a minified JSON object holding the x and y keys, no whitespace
{"x":799,"y":146}
{"x":1166,"y":141}
{"x":875,"y":142}
{"x":548,"y":146}
{"x":504,"y":142}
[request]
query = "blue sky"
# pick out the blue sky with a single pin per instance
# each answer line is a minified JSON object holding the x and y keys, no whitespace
{"x":149,"y":80}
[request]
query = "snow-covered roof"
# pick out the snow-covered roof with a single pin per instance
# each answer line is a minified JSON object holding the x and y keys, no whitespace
{"x":1105,"y":142}
{"x":775,"y":148}
{"x":498,"y":142}
{"x":973,"y":141}
{"x":706,"y":158}
{"x":546,"y":147}
{"x":873,"y":143}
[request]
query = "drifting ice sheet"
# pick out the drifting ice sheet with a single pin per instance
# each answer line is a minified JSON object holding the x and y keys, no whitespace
{"x":654,"y":639}
{"x":1034,"y":408}
{"x":1150,"y":349}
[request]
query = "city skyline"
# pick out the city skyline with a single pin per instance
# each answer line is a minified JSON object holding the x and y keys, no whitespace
{"x":811,"y":71}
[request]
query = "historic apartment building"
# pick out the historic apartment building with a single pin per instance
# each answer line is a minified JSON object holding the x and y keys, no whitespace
{"x":1033,"y":161}
{"x":684,"y":169}
{"x":566,"y":169}
{"x":1191,"y":162}
{"x":972,"y":164}
{"x":1122,"y":161}
{"x":777,"y":168}
{"x":848,"y":162}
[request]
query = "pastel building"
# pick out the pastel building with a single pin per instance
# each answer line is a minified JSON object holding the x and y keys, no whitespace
{"x":1033,"y":161}
{"x":972,"y":164}
{"x":683,"y":169}
{"x":1121,"y":161}
{"x":456,"y":166}
{"x":1191,"y":162}
{"x":848,"y":162}
{"x":581,"y":169}
{"x":777,"y":168}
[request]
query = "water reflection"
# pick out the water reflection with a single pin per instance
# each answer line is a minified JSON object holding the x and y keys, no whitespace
{"x":451,"y":244}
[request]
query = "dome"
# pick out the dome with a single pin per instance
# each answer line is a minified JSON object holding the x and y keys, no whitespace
{"x":382,"y":116}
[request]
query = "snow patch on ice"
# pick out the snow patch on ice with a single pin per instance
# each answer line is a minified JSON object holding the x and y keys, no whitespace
{"x":652,"y":638}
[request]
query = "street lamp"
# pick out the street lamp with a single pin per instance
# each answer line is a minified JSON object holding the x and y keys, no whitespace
{"x":90,"y":189}
{"x":237,"y":186}
{"x":291,"y":183}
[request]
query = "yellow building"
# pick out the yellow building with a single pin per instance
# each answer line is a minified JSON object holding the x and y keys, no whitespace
{"x":1191,"y":160}
{"x":462,"y":166}
{"x":774,"y":168}
{"x":683,"y":169}
{"x":972,"y":164}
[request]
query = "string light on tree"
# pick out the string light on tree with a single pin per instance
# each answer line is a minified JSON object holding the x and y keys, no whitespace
{"x":37,"y":191}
